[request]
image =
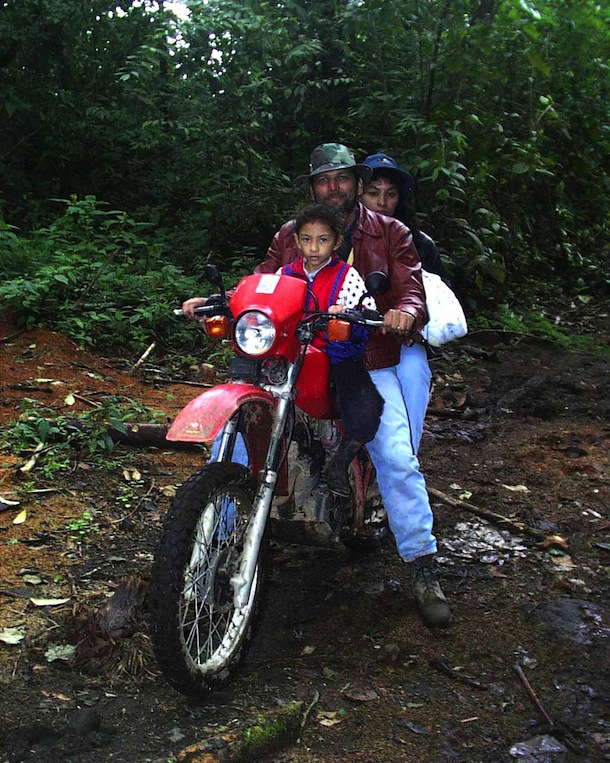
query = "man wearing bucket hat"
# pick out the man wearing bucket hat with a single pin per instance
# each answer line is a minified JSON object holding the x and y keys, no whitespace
{"x":374,"y":242}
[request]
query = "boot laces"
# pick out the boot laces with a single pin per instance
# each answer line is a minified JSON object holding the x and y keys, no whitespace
{"x":425,"y":575}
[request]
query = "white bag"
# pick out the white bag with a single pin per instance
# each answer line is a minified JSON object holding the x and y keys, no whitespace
{"x":447,"y":319}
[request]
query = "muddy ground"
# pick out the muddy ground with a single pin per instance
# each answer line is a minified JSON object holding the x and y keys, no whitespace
{"x":520,"y":429}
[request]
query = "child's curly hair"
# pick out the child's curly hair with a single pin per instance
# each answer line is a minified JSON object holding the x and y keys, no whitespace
{"x":320,"y":213}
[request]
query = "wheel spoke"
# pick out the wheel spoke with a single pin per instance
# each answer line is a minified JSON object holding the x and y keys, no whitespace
{"x":210,"y":622}
{"x":197,"y":631}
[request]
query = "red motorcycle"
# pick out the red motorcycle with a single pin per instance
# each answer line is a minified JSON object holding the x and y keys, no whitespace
{"x":209,"y":573}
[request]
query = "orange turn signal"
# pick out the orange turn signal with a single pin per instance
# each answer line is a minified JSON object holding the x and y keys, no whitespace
{"x":338,"y":330}
{"x":217,"y":327}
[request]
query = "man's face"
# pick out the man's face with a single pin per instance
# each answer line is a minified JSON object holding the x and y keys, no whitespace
{"x":338,"y":189}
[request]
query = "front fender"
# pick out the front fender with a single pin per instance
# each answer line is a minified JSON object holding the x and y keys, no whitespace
{"x":203,"y":418}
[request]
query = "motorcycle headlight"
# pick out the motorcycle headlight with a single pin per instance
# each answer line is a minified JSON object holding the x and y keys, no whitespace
{"x":254,"y":333}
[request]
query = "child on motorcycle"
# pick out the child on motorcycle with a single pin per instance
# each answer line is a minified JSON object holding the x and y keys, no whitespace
{"x":335,"y":286}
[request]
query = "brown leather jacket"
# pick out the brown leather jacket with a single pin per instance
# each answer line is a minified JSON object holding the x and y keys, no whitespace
{"x":379,"y":243}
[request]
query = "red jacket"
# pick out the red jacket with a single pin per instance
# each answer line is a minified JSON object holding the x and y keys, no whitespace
{"x":379,"y":243}
{"x":324,"y":290}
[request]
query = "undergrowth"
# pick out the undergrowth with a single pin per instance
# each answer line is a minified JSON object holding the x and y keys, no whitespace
{"x":96,"y":275}
{"x":535,"y":322}
{"x":55,"y":442}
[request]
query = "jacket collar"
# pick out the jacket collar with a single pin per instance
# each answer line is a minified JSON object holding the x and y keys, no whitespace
{"x":369,"y":223}
{"x":332,"y":262}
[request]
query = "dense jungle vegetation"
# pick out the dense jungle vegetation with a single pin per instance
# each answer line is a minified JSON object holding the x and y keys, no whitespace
{"x":139,"y":140}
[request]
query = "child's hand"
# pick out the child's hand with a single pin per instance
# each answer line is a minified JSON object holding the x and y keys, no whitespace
{"x":188,"y":307}
{"x":334,"y":309}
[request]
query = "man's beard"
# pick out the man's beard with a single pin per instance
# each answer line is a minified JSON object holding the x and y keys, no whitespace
{"x":346,"y":207}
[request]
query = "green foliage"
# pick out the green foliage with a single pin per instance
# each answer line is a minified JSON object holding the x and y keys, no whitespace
{"x":60,"y":439}
{"x":92,"y":274}
{"x":535,"y":322}
{"x":196,"y":125}
{"x":81,"y":526}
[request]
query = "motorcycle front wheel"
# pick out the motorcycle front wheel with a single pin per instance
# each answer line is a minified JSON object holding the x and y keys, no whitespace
{"x":198,"y":633}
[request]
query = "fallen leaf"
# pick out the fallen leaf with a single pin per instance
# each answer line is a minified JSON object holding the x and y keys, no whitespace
{"x":57,"y":695}
{"x":416,"y":729}
{"x":308,"y":650}
{"x":49,"y":602}
{"x":360,"y":695}
{"x":176,"y":735}
{"x":465,"y":495}
{"x":554,"y":540}
{"x":563,"y":561}
{"x":12,"y":635}
{"x":64,"y":652}
{"x":69,"y":399}
{"x":169,"y":490}
{"x":517,"y":488}
{"x":32,"y":579}
{"x":20,"y":518}
{"x":328,"y":718}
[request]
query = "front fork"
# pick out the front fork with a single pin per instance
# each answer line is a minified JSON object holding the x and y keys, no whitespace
{"x":227,"y":439}
{"x":253,"y":536}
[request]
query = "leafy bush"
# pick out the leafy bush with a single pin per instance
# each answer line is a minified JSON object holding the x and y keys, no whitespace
{"x":535,"y":322}
{"x":93,"y":275}
{"x":59,"y":439}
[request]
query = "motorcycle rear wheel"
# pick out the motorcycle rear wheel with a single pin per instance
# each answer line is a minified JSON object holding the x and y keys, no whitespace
{"x":198,"y":634}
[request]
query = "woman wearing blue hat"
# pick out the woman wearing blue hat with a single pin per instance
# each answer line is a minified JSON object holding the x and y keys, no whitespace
{"x":388,"y":192}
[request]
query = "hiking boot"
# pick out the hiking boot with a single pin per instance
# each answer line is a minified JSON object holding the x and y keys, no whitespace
{"x":337,"y":469}
{"x":430,"y":599}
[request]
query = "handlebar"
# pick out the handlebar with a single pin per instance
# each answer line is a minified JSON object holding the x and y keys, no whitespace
{"x":365,"y":317}
{"x":368,"y":317}
{"x":204,"y":310}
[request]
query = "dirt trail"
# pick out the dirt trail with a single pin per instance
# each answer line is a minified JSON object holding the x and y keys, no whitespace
{"x":520,"y":429}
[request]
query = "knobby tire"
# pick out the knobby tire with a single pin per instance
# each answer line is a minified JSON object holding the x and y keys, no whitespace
{"x":198,"y":635}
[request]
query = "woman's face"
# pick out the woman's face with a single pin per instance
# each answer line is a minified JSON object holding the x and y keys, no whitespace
{"x":381,"y":195}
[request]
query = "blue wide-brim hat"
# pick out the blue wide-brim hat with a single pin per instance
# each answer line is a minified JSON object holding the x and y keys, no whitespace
{"x":404,"y":179}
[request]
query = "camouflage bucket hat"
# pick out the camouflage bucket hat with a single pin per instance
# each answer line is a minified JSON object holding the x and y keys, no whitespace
{"x":328,"y":157}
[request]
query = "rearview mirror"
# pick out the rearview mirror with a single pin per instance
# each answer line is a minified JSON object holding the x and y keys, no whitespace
{"x":213,"y":275}
{"x":377,"y":282}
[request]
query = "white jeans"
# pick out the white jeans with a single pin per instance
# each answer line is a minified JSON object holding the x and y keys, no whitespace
{"x":405,"y":390}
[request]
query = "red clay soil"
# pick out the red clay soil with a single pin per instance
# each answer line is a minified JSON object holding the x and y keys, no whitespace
{"x":520,"y":429}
